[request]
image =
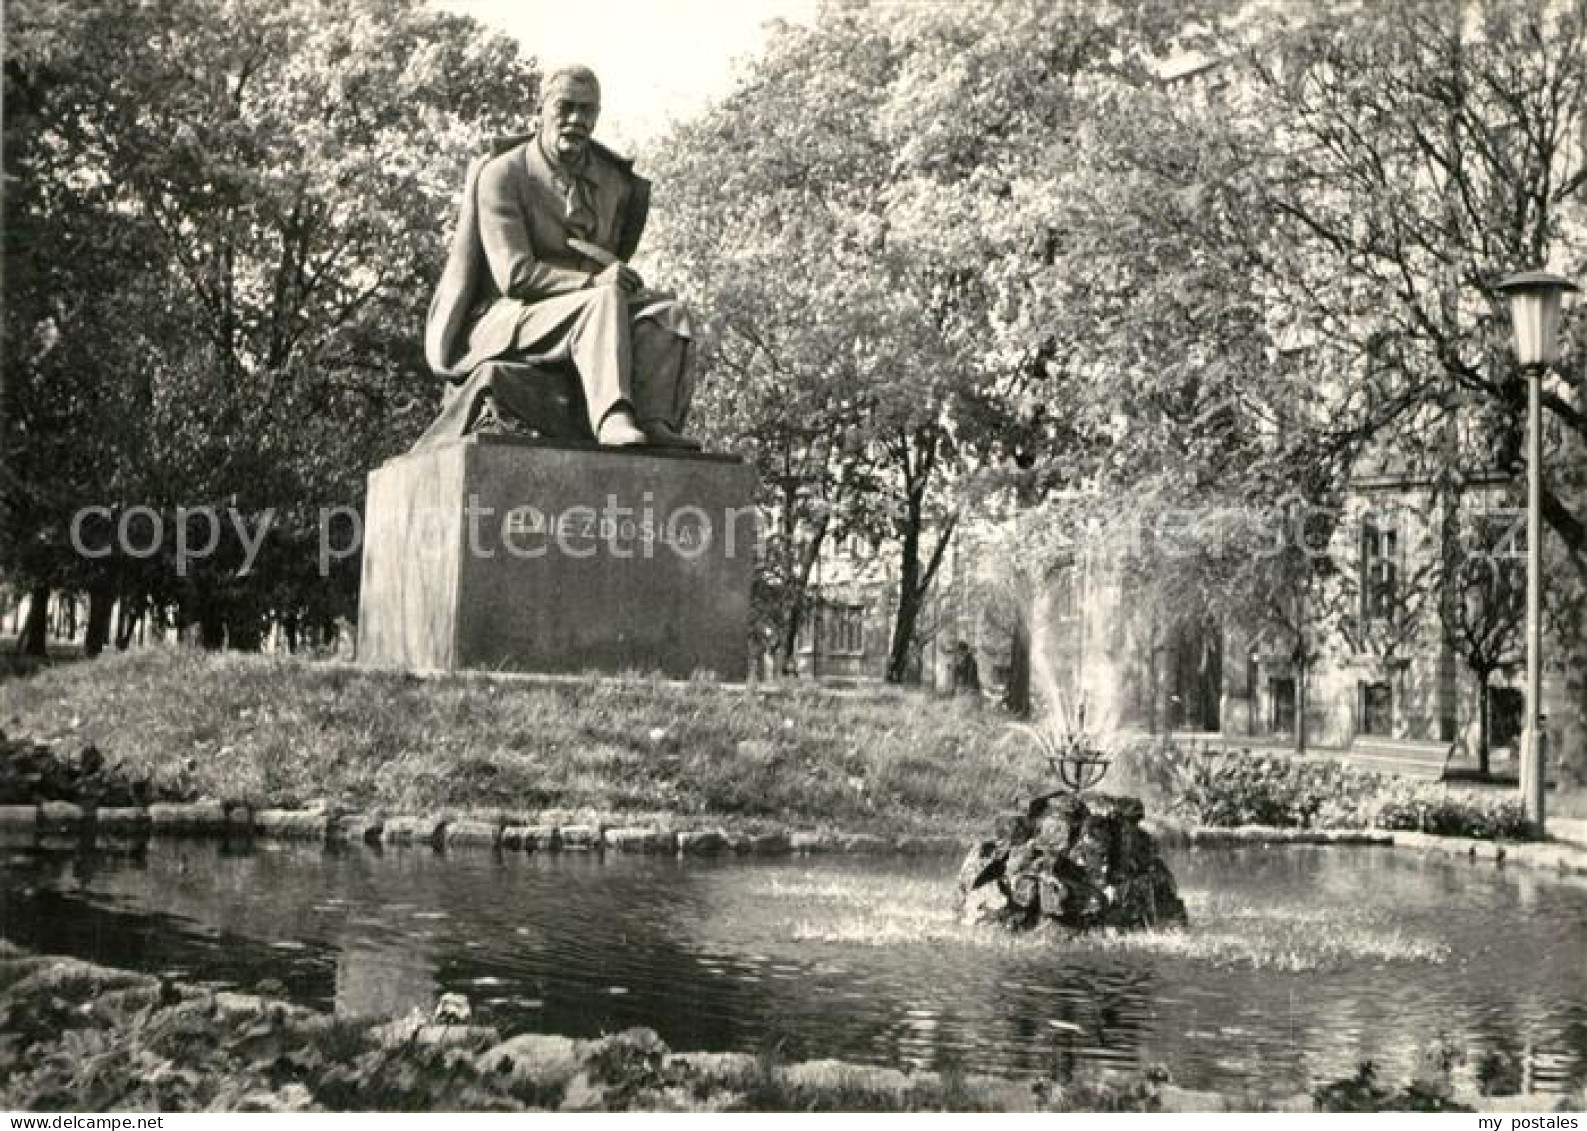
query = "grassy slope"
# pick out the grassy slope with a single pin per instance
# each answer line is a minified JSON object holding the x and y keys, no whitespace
{"x":280,"y":731}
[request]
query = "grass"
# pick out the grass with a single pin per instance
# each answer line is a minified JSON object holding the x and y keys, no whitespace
{"x":1281,"y":936}
{"x":281,"y":731}
{"x":1281,"y":939}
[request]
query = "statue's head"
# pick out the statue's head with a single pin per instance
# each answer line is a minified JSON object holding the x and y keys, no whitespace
{"x":569,"y":107}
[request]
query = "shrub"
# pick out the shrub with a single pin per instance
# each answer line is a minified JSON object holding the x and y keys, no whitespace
{"x":1362,"y":1092}
{"x":1225,"y":789}
{"x":1498,"y":1073}
{"x":1430,"y":808}
{"x":32,"y":772}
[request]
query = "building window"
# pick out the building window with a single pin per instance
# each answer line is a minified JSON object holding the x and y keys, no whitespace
{"x":1380,"y":571}
{"x":843,"y":629}
{"x":1377,"y":709}
{"x":1281,"y":694}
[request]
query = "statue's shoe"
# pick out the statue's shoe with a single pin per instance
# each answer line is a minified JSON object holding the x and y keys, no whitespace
{"x":618,"y":430}
{"x":660,"y":434}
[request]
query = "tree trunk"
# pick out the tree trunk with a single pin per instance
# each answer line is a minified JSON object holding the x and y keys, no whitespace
{"x":1152,"y":681}
{"x":128,"y":622}
{"x":1302,"y":668}
{"x":245,"y":631}
{"x":34,"y":640}
{"x":788,"y":645}
{"x":101,"y":603}
{"x":914,"y":581}
{"x":788,"y":649}
{"x":1483,"y":726}
{"x":904,"y":625}
{"x":211,"y":628}
{"x":1302,"y":665}
{"x":908,"y":597}
{"x":1016,"y":696}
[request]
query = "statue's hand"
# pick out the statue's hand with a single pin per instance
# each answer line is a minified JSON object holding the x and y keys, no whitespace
{"x":622,"y":276}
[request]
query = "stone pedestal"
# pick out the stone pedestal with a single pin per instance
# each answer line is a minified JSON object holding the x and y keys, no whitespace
{"x":495,"y":552}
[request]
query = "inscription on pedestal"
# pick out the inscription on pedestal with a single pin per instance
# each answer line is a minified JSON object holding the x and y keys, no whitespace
{"x":501,"y":553}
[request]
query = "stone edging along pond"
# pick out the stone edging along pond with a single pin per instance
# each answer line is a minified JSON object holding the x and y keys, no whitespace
{"x":545,"y":832}
{"x":554,"y":832}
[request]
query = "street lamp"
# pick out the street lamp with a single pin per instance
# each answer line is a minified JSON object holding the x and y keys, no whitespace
{"x":1535,"y":299}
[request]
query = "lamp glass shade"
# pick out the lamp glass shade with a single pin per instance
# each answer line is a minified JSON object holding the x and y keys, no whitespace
{"x":1534,"y":312}
{"x":1535,"y":316}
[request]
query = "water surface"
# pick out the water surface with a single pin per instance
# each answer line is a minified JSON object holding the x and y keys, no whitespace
{"x":1300,"y":962}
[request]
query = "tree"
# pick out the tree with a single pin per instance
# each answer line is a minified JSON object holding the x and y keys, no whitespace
{"x":263,"y":189}
{"x":1485,"y":610}
{"x":1420,"y":154}
{"x":1424,"y":153}
{"x":760,"y":204}
{"x":70,"y":434}
{"x":1279,"y":277}
{"x":1192,"y":422}
{"x":881,"y":177}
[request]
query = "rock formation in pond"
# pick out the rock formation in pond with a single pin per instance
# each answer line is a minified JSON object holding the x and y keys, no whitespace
{"x":1078,"y":863}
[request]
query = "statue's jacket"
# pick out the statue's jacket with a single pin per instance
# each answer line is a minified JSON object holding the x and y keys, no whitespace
{"x":511,"y":279}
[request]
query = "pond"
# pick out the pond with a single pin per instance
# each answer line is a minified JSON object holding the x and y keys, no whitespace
{"x":1299,"y":963}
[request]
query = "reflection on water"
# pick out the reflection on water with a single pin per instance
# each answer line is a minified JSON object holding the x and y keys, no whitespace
{"x":1299,"y":963}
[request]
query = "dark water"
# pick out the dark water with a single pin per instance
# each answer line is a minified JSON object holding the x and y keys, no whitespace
{"x":1300,"y":962}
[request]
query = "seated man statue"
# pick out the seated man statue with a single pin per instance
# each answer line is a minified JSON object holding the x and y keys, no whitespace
{"x":537,"y":285}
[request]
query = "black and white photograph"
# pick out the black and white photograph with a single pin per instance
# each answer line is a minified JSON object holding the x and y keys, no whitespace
{"x":793,"y":556}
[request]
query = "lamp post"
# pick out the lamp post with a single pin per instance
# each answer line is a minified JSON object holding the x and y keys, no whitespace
{"x":1535,"y":299}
